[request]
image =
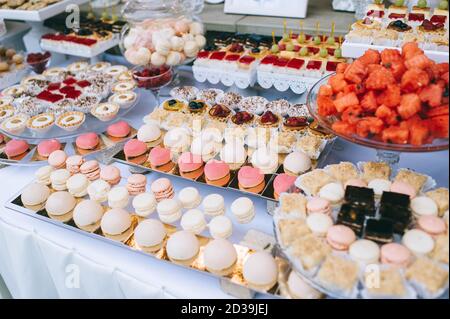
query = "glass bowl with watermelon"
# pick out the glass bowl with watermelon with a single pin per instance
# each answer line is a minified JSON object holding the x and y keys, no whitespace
{"x":393,"y":101}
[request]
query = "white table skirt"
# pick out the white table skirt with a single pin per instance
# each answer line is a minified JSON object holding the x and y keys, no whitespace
{"x":41,"y":260}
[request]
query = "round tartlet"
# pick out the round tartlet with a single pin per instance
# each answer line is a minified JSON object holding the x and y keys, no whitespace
{"x":15,"y":124}
{"x":5,"y":101}
{"x":173,"y":105}
{"x":105,"y":111}
{"x":54,"y":72}
{"x":6,"y":111}
{"x":123,"y":99}
{"x":99,"y":66}
{"x":115,"y":70}
{"x":14,"y":91}
{"x":197,"y":107}
{"x":123,"y":86}
{"x":41,"y":123}
{"x":77,"y":66}
{"x":70,"y":121}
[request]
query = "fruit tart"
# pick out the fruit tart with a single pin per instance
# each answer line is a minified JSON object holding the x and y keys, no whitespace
{"x":243,"y":118}
{"x":197,"y":107}
{"x":269,"y":119}
{"x":174,"y":105}
{"x":219,"y":112}
{"x":295,"y":123}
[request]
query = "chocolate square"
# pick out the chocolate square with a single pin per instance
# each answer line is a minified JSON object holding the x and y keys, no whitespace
{"x":396,"y":207}
{"x":353,"y":217}
{"x":379,"y":230}
{"x":360,"y":196}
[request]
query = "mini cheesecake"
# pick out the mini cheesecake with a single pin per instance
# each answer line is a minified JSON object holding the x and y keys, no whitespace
{"x":70,"y":121}
{"x":124,"y":99}
{"x":41,"y":123}
{"x":397,"y":12}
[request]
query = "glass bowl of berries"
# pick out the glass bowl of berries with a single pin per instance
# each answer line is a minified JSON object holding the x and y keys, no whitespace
{"x":39,"y":61}
{"x":152,"y":77}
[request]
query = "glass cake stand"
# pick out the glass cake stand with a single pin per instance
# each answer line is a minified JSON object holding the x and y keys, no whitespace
{"x":386,"y":152}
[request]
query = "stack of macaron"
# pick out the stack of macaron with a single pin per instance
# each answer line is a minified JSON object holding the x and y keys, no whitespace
{"x":162,"y":188}
{"x":136,"y":184}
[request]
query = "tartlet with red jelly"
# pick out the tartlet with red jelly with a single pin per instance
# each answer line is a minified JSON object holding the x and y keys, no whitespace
{"x":295,"y":123}
{"x":243,"y":118}
{"x":219,"y":112}
{"x":269,"y":119}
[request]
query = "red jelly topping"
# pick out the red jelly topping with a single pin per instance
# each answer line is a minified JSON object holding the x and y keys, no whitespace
{"x":296,"y":121}
{"x":232,"y":57}
{"x":237,"y":48}
{"x":430,"y":26}
{"x":242,"y":117}
{"x":297,"y":48}
{"x":281,"y":62}
{"x":314,"y":65}
{"x":270,"y":59}
{"x":67,"y":89}
{"x":69,"y":38}
{"x":218,"y":55}
{"x":416,"y":17}
{"x":438,"y":19}
{"x":73,"y":94}
{"x":247,"y":59}
{"x":219,"y":111}
{"x":203,"y":54}
{"x":294,"y":36}
{"x":332,"y":66}
{"x":49,"y":96}
{"x":269,"y":118}
{"x":53,"y":86}
{"x":313,"y":50}
{"x":330,"y":51}
{"x":308,"y":37}
{"x":69,"y":81}
{"x":397,"y":16}
{"x":296,"y":64}
{"x":375,"y":13}
{"x":83,"y":84}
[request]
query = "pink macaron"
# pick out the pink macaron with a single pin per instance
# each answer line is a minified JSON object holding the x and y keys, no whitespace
{"x":91,"y":169}
{"x":189,"y":162}
{"x":340,"y":237}
{"x":73,"y":163}
{"x":134,"y":148}
{"x":217,"y":172}
{"x":357,"y":182}
{"x":110,"y":174}
{"x":136,"y":184}
{"x":318,"y":205}
{"x":159,"y":156}
{"x":395,"y":255}
{"x":16,"y":147}
{"x":403,"y":188}
{"x":120,"y":129}
{"x":87,"y":141}
{"x":432,"y":225}
{"x":57,"y":159}
{"x":45,"y":148}
{"x":282,"y":183}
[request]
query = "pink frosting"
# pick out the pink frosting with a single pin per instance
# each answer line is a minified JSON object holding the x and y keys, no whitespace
{"x":87,"y":141}
{"x":395,"y":254}
{"x":119,"y":129}
{"x":340,"y":237}
{"x":45,"y":148}
{"x":16,"y":147}
{"x":57,"y":158}
{"x":432,"y":225}
{"x":215,"y":170}
{"x":159,"y":156}
{"x":318,"y":205}
{"x":283,"y":182}
{"x":403,"y":188}
{"x":249,"y":176}
{"x":189,"y":162}
{"x":134,"y":148}
{"x":356,"y":182}
{"x":161,"y":185}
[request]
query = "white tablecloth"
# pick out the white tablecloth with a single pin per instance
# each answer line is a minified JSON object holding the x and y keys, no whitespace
{"x":41,"y":260}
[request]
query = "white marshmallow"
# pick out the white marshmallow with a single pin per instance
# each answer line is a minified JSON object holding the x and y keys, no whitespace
{"x":196,"y":28}
{"x":173,"y":58}
{"x":158,"y":59}
{"x":201,"y":41}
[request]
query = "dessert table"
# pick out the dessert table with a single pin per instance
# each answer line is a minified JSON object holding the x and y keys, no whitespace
{"x":41,"y":260}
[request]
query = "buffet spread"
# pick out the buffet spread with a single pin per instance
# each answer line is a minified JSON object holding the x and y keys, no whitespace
{"x":337,"y":226}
